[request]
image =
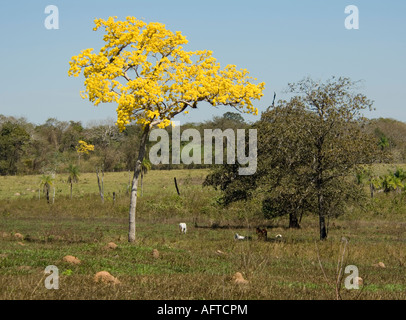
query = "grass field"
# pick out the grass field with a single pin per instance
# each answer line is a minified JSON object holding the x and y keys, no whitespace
{"x":196,"y":265}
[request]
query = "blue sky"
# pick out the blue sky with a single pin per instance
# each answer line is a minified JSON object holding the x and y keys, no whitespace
{"x":277,"y":41}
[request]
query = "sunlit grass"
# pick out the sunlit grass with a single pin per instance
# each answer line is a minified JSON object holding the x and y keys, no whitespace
{"x":196,"y":265}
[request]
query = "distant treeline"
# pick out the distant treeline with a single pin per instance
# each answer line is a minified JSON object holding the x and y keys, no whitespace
{"x":26,"y":148}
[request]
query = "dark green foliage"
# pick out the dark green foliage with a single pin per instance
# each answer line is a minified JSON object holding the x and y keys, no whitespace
{"x":383,"y":142}
{"x":234,"y":187}
{"x":13,"y":139}
{"x":234,"y":116}
{"x":309,"y":149}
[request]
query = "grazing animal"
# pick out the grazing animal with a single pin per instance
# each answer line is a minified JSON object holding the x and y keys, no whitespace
{"x":238,"y":237}
{"x":262,"y":234}
{"x":182,"y":227}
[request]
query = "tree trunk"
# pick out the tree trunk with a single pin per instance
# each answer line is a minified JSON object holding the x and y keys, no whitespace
{"x":322,"y":219}
{"x":293,"y":221}
{"x":137,"y":171}
{"x":71,"y":190}
{"x":142,"y":183}
{"x":129,"y":183}
{"x":319,"y":188}
{"x":47,"y":193}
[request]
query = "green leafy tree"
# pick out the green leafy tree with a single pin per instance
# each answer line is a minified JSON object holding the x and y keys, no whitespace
{"x":383,"y":142}
{"x":233,"y":116}
{"x":13,"y":138}
{"x":309,"y":149}
{"x":72,"y":133}
{"x":339,"y":143}
{"x":285,"y":156}
{"x":281,"y":182}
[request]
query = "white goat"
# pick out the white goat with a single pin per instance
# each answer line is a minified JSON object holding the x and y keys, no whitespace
{"x":182,"y":227}
{"x":238,"y":237}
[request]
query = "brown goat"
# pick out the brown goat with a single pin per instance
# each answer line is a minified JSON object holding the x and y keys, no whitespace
{"x":262,"y":234}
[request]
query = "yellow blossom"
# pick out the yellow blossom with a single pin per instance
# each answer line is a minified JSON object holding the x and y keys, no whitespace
{"x":152,"y":78}
{"x":84,"y":147}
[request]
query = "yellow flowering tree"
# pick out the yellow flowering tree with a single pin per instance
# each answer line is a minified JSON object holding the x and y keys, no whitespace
{"x":84,"y":148}
{"x":145,"y":70}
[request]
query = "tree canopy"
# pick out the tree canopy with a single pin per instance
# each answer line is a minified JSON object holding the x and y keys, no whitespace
{"x":309,"y":149}
{"x":146,"y":71}
{"x":13,"y":138}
